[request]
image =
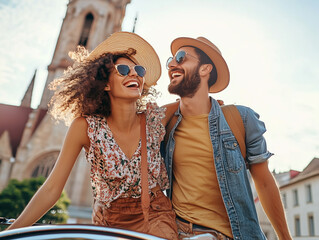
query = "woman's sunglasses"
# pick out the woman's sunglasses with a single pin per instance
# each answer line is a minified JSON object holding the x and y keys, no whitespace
{"x":179,"y":58}
{"x":124,"y":70}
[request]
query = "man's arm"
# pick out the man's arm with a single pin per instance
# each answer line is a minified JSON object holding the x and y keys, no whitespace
{"x":269,"y":196}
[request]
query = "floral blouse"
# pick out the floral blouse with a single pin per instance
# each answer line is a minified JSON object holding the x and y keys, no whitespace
{"x":115,"y":176}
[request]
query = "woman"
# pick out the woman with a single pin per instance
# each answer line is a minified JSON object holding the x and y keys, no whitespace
{"x":102,"y":94}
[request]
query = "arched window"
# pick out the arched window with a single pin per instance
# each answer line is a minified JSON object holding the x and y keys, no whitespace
{"x":86,"y":30}
{"x":45,"y":165}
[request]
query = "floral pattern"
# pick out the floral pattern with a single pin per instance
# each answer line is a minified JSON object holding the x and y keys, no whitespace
{"x":115,"y":176}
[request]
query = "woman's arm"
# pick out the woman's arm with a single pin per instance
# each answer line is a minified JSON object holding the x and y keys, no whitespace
{"x":50,"y":191}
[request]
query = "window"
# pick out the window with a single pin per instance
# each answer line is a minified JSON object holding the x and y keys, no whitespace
{"x":86,"y":30}
{"x":297,"y":226}
{"x":284,"y":200}
{"x":308,"y":194}
{"x":311,"y":225}
{"x":295,"y":196}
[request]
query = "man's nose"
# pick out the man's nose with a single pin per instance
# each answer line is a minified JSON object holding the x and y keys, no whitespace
{"x":172,"y":63}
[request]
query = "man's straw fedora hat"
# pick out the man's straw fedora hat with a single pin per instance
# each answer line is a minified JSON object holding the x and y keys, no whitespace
{"x":212,"y":52}
{"x":145,"y":54}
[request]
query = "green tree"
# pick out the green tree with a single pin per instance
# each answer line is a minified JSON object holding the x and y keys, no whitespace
{"x":15,"y":197}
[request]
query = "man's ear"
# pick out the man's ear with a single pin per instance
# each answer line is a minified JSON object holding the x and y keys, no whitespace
{"x":205,"y":69}
{"x":107,"y":88}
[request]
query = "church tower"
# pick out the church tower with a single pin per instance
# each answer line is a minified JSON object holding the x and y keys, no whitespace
{"x":86,"y":23}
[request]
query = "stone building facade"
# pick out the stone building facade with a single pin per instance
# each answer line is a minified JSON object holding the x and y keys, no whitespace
{"x":30,"y":140}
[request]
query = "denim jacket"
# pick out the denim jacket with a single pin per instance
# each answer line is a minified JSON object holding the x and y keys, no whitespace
{"x":230,"y":166}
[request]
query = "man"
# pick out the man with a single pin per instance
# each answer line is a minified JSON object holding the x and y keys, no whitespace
{"x":215,"y":198}
{"x":210,"y":190}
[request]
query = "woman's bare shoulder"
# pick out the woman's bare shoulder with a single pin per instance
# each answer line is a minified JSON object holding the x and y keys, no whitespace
{"x":80,"y":121}
{"x":78,"y":129}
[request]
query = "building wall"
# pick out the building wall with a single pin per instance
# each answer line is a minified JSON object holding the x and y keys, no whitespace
{"x":304,"y":209}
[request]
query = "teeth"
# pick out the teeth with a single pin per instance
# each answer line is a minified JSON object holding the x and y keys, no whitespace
{"x":131,"y":84}
{"x":176,"y":75}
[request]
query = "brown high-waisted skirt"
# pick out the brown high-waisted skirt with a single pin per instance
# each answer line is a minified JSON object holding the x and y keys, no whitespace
{"x":126,"y":213}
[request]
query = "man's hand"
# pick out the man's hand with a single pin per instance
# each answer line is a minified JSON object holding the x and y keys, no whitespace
{"x":97,"y":214}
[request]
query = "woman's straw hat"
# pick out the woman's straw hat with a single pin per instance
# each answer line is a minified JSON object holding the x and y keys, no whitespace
{"x":212,"y":52}
{"x":145,"y":54}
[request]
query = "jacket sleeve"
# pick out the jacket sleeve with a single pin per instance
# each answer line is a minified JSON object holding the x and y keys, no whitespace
{"x":256,"y":146}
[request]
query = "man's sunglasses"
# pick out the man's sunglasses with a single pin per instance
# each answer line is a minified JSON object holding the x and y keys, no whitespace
{"x":124,"y":70}
{"x":179,"y":58}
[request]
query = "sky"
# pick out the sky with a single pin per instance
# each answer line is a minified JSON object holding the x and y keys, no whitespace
{"x":271,"y":48}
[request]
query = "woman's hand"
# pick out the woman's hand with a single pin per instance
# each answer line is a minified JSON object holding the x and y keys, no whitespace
{"x":98,"y":214}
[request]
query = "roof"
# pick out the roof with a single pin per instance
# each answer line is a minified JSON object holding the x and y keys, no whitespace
{"x":285,"y":177}
{"x":310,"y":171}
{"x":39,"y":117}
{"x":13,"y":119}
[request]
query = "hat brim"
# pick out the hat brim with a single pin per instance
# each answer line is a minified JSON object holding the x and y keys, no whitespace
{"x":145,"y":53}
{"x":220,"y":64}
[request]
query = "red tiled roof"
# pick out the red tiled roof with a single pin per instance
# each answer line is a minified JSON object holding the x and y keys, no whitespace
{"x":13,"y":119}
{"x":310,"y":171}
{"x":293,"y":173}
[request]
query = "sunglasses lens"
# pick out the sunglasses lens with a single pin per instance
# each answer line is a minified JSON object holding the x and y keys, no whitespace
{"x":123,"y":69}
{"x":180,"y":57}
{"x":168,"y":62}
{"x":140,"y":70}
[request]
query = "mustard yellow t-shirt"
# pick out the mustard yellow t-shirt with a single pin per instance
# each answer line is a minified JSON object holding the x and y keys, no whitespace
{"x":196,"y":195}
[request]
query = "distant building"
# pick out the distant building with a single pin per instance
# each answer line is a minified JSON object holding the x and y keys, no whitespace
{"x":30,"y":141}
{"x":300,"y":197}
{"x":301,"y":201}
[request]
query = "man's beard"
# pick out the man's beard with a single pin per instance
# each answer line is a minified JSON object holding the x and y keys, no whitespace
{"x":188,"y":86}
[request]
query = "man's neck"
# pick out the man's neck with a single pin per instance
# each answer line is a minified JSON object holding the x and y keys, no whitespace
{"x":196,"y":105}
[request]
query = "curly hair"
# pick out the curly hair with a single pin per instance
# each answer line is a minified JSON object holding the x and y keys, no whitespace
{"x":80,"y":91}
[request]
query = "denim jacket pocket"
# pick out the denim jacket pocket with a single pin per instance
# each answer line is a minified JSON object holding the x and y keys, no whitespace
{"x":234,"y":160}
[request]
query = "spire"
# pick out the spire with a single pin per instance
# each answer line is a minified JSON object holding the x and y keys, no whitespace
{"x":26,"y":101}
{"x":135,"y":20}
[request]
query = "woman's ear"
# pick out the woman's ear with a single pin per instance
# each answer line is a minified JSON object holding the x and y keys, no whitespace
{"x":107,"y":88}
